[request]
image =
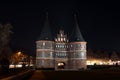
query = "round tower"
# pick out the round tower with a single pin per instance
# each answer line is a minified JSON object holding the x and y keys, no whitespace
{"x":77,"y":48}
{"x":45,"y":54}
{"x":45,"y":48}
{"x":78,"y":55}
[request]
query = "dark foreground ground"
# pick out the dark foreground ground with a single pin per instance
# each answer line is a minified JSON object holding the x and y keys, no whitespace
{"x":75,"y":75}
{"x":92,"y":73}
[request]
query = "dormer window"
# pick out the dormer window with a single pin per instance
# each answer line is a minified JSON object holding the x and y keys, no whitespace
{"x":58,"y":39}
{"x":61,"y":39}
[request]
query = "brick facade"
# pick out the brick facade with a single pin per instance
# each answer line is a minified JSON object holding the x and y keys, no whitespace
{"x":51,"y":54}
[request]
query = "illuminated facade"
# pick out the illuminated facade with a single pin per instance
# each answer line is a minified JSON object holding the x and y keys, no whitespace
{"x":61,"y":52}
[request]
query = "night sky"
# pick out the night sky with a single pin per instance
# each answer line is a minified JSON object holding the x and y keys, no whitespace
{"x":99,"y":22}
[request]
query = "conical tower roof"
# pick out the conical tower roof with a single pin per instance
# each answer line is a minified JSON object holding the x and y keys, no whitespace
{"x":46,"y":32}
{"x":76,"y":35}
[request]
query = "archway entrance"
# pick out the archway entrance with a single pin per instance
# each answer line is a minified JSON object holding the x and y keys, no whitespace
{"x":61,"y":65}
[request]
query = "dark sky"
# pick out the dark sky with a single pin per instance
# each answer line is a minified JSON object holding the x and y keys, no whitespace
{"x":99,"y":21}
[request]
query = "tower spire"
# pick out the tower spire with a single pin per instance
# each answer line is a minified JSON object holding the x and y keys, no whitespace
{"x":77,"y":36}
{"x":46,"y":32}
{"x":46,"y":15}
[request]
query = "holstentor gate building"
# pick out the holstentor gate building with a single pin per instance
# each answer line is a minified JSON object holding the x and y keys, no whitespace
{"x":62,"y":52}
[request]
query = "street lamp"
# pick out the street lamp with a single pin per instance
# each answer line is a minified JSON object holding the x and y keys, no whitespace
{"x":19,"y":53}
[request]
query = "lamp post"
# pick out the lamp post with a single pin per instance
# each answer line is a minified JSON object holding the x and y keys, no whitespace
{"x":16,"y":58}
{"x":19,"y":53}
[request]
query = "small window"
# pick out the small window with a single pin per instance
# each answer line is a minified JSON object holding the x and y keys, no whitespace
{"x":43,"y":43}
{"x":60,"y":46}
{"x":66,"y":46}
{"x":55,"y":39}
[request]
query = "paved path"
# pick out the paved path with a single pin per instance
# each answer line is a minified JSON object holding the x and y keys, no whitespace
{"x":37,"y":75}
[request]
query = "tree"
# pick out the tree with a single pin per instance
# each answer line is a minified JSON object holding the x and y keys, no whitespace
{"x":114,"y":56}
{"x":90,"y":54}
{"x":5,"y":51}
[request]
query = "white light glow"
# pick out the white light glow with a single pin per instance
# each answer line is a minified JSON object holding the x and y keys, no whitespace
{"x":17,"y":66}
{"x":60,"y":64}
{"x":101,"y":62}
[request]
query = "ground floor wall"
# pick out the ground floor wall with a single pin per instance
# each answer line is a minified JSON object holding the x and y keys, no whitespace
{"x":45,"y":63}
{"x":61,"y":63}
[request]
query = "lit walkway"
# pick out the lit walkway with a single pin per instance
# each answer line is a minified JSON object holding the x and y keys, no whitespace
{"x":37,"y":75}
